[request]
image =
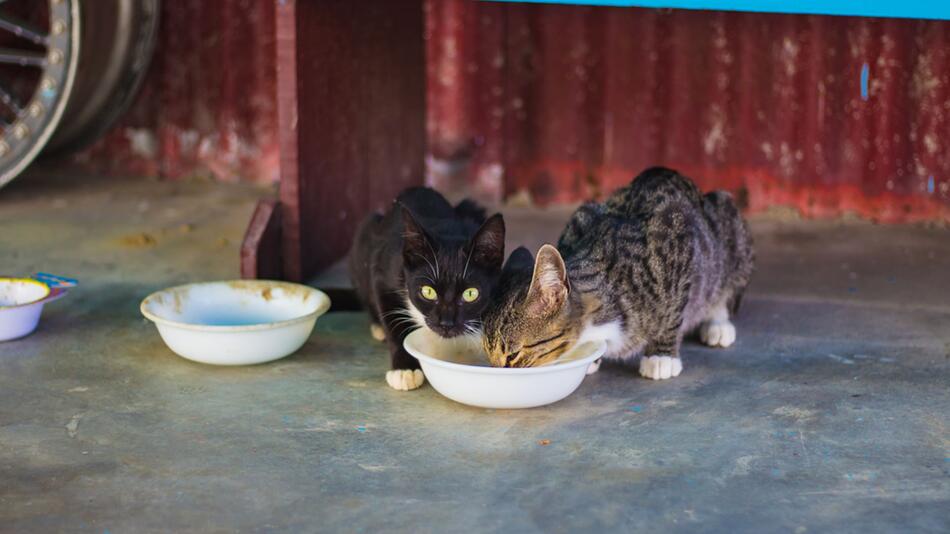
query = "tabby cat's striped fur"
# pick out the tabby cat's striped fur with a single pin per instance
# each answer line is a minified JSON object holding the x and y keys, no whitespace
{"x":654,"y":261}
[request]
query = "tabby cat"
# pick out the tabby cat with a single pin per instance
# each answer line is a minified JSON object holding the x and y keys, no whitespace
{"x":425,"y":264}
{"x":653,"y":262}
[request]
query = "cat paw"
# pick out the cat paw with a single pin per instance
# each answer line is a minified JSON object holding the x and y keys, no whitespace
{"x":594,"y":367}
{"x":660,"y":367}
{"x":377,"y":332}
{"x":719,"y":333}
{"x":405,"y":379}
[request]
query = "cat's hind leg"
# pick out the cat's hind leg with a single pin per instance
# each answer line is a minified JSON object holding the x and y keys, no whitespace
{"x":717,"y":330}
{"x":376,"y":329}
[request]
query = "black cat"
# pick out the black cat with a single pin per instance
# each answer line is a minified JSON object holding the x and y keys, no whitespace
{"x":425,"y":264}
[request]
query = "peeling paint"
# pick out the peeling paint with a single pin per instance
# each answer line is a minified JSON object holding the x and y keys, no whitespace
{"x":208,"y":104}
{"x":865,"y":75}
{"x":778,"y":108}
{"x":142,"y":142}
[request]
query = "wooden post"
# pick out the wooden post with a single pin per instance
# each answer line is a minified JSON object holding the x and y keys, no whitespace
{"x":260,"y":249}
{"x":351,"y":120}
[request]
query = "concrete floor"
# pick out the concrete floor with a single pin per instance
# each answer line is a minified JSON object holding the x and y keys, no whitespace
{"x":831,"y":413}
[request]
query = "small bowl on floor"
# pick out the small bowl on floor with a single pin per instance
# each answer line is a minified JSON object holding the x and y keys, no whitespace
{"x":21,"y":303}
{"x":239,"y":322}
{"x":460,"y":371}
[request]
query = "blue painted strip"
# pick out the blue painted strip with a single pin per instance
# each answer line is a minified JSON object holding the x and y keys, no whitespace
{"x":55,"y":281}
{"x":912,"y":9}
{"x":930,"y":184}
{"x":865,"y":76}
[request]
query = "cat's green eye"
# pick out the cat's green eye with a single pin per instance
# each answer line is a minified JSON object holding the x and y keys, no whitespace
{"x":470,"y":295}
{"x":428,"y":293}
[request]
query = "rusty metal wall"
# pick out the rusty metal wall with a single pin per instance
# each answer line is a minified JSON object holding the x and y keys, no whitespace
{"x":208,"y":105}
{"x":827,"y":114}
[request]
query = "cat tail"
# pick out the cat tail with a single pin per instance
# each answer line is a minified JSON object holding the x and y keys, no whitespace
{"x":469,"y":209}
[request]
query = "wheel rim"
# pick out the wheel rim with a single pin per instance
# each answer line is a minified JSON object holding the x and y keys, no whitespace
{"x":116,"y":47}
{"x":39,"y":61}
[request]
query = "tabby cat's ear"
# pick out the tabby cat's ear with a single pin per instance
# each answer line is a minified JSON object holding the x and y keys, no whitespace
{"x":488,"y":244}
{"x":549,"y":283}
{"x":415,"y":242}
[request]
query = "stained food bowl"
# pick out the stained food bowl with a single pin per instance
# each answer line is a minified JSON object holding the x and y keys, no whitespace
{"x":237,"y":322}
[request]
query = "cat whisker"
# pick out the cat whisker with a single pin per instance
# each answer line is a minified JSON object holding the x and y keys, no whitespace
{"x":407,"y":324}
{"x":400,"y":317}
{"x":434,"y":257}
{"x":468,"y":259}
{"x":473,"y":328}
{"x":396,"y":313}
{"x":433,"y":269}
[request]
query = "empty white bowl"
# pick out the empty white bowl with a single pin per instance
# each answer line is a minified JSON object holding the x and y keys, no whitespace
{"x":21,"y":303}
{"x":460,"y":371}
{"x":238,"y":322}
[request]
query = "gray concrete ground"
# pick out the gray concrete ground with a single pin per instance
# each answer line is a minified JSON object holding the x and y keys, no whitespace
{"x":831,"y":413}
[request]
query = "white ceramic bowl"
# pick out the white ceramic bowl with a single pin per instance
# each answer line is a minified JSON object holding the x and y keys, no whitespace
{"x":21,"y":303}
{"x":236,"y":322}
{"x":460,"y":371}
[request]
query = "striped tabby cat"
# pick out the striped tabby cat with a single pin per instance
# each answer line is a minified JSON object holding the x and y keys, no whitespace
{"x":653,"y":262}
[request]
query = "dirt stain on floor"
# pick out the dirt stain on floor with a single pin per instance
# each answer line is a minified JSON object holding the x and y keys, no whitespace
{"x":138,"y":240}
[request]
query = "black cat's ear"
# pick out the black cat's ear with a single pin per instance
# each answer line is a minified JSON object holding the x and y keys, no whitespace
{"x":520,"y":260}
{"x":549,"y":284}
{"x":415,"y":242}
{"x":488,"y":244}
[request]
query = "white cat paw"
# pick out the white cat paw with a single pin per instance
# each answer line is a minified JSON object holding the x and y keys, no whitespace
{"x":719,"y":333}
{"x":660,"y":367}
{"x":405,"y":379}
{"x":377,"y":332}
{"x":594,"y":367}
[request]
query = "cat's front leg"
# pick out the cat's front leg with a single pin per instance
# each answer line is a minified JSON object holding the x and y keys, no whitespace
{"x":594,"y":367}
{"x":660,"y":367}
{"x":661,"y":361}
{"x":404,"y":373}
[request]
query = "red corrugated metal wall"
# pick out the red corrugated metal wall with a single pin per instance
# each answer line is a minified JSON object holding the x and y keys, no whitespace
{"x":208,"y":104}
{"x":568,"y":102}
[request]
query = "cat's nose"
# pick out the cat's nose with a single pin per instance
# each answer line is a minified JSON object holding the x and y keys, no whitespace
{"x":446,"y":322}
